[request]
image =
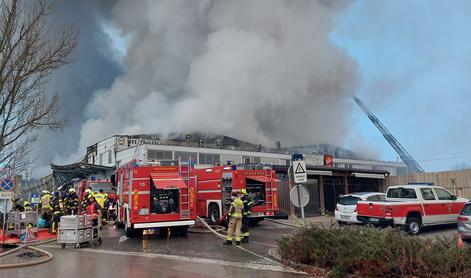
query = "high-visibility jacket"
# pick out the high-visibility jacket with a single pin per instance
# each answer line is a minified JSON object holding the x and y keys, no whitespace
{"x":100,"y":199}
{"x":237,"y":208}
{"x":248,"y":205}
{"x":45,"y":201}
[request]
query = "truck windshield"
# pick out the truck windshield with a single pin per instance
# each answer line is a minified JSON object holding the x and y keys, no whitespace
{"x":348,"y":200}
{"x":402,"y":193}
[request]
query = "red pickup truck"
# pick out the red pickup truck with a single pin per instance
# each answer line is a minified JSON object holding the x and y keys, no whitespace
{"x":412,"y":206}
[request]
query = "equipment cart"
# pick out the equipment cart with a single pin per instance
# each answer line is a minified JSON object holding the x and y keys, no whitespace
{"x":17,"y":221}
{"x":79,"y":230}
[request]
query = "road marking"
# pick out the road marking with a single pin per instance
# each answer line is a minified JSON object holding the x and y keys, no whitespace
{"x":254,"y":266}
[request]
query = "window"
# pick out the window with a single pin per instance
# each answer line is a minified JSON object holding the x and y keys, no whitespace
{"x":185,"y":156}
{"x":251,"y":160}
{"x":348,"y":200}
{"x":466,"y":210}
{"x":110,"y":157}
{"x":379,"y":197}
{"x":443,"y":194}
{"x":402,"y":193}
{"x":209,"y":158}
{"x":153,"y":155}
{"x":427,"y":194}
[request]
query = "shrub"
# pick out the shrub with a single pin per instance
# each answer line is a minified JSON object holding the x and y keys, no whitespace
{"x":371,"y":252}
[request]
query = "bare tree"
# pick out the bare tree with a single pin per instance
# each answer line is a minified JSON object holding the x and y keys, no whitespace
{"x":29,"y":54}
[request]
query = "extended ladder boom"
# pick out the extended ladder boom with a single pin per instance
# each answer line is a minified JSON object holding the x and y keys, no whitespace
{"x":405,"y":156}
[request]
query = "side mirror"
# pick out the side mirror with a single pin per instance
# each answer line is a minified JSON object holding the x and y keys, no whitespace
{"x":453,"y":197}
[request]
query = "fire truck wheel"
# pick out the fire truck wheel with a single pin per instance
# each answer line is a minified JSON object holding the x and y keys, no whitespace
{"x":213,"y":213}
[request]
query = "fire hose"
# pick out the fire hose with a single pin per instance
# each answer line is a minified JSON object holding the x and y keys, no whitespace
{"x":48,"y":257}
{"x":238,"y":246}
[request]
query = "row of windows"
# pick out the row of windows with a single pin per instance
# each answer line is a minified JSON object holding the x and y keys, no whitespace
{"x":204,"y":158}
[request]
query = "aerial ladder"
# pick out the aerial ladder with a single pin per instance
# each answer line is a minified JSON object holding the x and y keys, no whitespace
{"x":412,"y":165}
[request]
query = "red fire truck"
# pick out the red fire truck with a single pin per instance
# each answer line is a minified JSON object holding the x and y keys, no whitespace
{"x":157,"y":195}
{"x":215,"y":185}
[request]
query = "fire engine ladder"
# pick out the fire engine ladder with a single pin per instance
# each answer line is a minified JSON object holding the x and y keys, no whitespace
{"x":185,"y":174}
{"x":269,"y":191}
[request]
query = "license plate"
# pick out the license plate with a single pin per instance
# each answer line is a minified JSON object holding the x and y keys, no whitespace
{"x":345,"y":217}
{"x":372,"y":219}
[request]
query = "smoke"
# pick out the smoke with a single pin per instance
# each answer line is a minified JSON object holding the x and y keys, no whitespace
{"x":261,"y":71}
{"x":93,"y":67}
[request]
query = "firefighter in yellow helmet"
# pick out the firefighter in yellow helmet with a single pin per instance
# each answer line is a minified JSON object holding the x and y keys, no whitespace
{"x":235,"y":213}
{"x":248,"y":204}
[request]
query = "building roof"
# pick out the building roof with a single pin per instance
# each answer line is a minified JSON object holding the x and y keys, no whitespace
{"x":65,"y":173}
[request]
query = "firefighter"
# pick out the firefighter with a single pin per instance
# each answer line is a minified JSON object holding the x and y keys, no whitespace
{"x":27,"y":206}
{"x":248,"y":204}
{"x":235,"y":213}
{"x":45,"y":204}
{"x":71,"y":202}
{"x":86,"y":199}
{"x":56,"y":210}
{"x":101,"y":199}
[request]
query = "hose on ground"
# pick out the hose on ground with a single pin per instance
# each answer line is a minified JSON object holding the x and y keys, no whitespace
{"x":48,"y":257}
{"x":238,"y":246}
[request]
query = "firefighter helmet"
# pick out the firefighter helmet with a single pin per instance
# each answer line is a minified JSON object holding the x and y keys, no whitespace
{"x":26,"y":204}
{"x":243,"y":191}
{"x":71,"y":190}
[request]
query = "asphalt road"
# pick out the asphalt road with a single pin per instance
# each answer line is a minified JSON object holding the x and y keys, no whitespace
{"x":194,"y":255}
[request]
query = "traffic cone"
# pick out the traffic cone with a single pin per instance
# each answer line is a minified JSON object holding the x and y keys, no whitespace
{"x":459,"y":242}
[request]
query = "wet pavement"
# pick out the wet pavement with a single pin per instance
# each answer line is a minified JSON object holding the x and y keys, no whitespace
{"x":194,"y":255}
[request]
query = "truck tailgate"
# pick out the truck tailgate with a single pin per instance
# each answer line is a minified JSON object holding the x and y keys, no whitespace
{"x":371,"y":209}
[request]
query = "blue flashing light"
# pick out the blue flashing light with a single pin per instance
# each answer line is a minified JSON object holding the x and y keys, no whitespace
{"x":420,"y":183}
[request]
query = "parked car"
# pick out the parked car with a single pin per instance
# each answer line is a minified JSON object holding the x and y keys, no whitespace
{"x":464,"y":222}
{"x":346,"y":209}
{"x":413,"y":207}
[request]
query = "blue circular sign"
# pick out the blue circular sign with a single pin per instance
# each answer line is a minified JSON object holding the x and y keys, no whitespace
{"x":7,"y":185}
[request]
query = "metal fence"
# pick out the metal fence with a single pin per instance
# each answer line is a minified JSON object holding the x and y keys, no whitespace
{"x":312,"y":208}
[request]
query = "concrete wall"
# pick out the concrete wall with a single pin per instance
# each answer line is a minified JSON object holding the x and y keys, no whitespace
{"x":457,"y":182}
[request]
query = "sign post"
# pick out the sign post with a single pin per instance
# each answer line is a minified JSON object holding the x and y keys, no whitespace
{"x":6,"y":193}
{"x":299,"y":174}
{"x":299,"y":197}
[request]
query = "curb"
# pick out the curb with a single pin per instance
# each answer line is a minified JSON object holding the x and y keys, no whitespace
{"x":311,"y":270}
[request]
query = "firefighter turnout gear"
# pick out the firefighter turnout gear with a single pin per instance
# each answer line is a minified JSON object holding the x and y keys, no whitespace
{"x":248,"y":204}
{"x":100,"y":199}
{"x":71,"y":202}
{"x":45,"y":202}
{"x":235,"y":213}
{"x":56,"y":210}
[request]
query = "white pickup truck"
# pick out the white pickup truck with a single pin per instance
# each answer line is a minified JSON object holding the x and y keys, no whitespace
{"x":412,"y":206}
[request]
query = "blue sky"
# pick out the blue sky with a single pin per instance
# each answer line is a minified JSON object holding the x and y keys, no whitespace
{"x":414,"y":58}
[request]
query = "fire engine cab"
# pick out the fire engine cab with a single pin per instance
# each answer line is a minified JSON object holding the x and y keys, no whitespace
{"x":156,"y":195}
{"x":214,"y":187}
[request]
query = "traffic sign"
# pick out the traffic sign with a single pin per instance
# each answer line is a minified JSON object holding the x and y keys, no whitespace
{"x":6,"y":195}
{"x":299,"y":196}
{"x":299,"y":171}
{"x":7,"y":185}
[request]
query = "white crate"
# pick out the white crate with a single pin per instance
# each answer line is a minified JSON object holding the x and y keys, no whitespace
{"x":72,"y":222}
{"x":68,"y":236}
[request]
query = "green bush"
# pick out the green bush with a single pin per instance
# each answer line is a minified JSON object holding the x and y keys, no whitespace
{"x":370,"y":252}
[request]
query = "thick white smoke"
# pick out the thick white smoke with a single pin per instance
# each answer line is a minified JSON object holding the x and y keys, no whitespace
{"x":256,"y":70}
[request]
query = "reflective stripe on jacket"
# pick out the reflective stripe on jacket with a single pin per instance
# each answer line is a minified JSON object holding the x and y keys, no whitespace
{"x":237,"y":208}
